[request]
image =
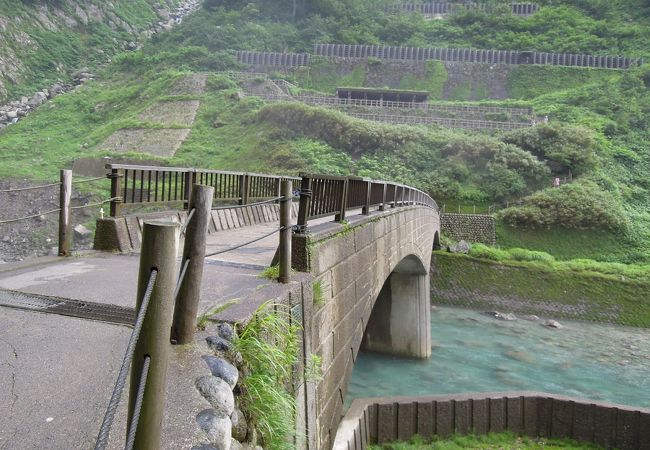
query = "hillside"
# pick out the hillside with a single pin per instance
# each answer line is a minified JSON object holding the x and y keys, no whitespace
{"x":597,"y":134}
{"x":44,"y":41}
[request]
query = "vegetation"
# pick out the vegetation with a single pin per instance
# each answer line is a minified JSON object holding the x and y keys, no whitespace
{"x":269,"y":346}
{"x":612,"y":292}
{"x":503,"y":441}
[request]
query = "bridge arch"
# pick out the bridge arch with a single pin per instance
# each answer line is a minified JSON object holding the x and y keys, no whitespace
{"x":400,"y":321}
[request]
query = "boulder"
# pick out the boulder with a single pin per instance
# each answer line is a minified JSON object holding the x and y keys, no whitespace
{"x":217,"y":428}
{"x":218,"y":344}
{"x":56,"y":89}
{"x":12,"y":114}
{"x":531,"y":317}
{"x":502,"y":316}
{"x":218,"y":393}
{"x":239,"y":425}
{"x":226,"y":331}
{"x":553,"y":324}
{"x":38,"y":99}
{"x":460,"y":247}
{"x":82,"y":233}
{"x":222,"y":369}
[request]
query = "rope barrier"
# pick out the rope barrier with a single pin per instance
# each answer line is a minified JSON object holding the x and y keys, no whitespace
{"x":187,"y":222}
{"x":272,"y":200}
{"x":102,"y":437}
{"x":95,"y":204}
{"x":181,"y":277}
{"x":18,"y":219}
{"x":130,"y":441}
{"x":29,"y":188}
{"x":244,"y":244}
{"x":88,"y":180}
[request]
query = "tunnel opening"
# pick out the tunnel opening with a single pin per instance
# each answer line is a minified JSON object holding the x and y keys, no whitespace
{"x":399,"y":323}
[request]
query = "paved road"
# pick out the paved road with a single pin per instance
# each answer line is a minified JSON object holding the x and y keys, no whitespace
{"x":57,"y":372}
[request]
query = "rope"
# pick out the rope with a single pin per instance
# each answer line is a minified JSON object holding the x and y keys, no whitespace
{"x":272,"y":200}
{"x":30,"y":217}
{"x":133,"y":428}
{"x":187,"y":222}
{"x":245,"y":243}
{"x":95,"y":204}
{"x":30,"y":188}
{"x":88,"y":180}
{"x":181,"y":277}
{"x":102,"y":437}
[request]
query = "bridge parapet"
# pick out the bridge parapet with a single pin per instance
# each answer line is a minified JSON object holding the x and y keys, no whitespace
{"x":371,"y":273}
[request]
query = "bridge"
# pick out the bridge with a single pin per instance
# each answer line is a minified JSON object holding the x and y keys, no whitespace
{"x":363,"y":242}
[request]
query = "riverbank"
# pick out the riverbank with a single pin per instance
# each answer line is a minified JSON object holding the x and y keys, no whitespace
{"x":541,"y":289}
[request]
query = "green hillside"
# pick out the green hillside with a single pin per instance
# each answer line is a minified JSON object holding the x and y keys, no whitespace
{"x":597,"y":134}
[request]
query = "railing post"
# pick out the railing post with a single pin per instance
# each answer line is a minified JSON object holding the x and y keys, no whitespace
{"x":65,"y":194}
{"x":190,"y":180}
{"x":159,"y":247}
{"x":285,"y":232}
{"x":343,"y":202}
{"x":116,"y":177}
{"x":366,"y":208}
{"x":305,"y":203}
{"x":382,"y":207}
{"x":243,"y":189}
{"x":189,"y":292}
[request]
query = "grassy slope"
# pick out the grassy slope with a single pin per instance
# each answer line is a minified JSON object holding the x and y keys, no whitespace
{"x":551,"y":283}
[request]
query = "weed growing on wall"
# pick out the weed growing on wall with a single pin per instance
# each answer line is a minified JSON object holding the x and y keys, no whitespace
{"x":269,"y":345}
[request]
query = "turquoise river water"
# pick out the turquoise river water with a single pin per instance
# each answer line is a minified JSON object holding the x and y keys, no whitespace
{"x":472,"y":352}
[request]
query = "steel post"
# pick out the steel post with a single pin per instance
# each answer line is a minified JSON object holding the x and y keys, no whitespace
{"x":285,"y":232}
{"x":65,"y":232}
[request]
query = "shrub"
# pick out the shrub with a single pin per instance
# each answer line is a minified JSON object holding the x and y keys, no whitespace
{"x":579,"y":205}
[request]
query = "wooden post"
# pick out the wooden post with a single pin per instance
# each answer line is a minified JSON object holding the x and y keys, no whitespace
{"x":159,"y":247}
{"x":285,"y":233}
{"x":189,"y":293}
{"x":305,"y":202}
{"x":383,"y":198}
{"x":65,"y":232}
{"x":243,"y":189}
{"x":116,"y":177}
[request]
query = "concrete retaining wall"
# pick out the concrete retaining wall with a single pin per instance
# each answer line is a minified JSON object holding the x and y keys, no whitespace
{"x":469,"y":227}
{"x":351,"y":264}
{"x":378,"y":420}
{"x":124,"y":234}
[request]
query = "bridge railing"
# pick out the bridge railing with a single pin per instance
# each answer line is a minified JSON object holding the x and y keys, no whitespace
{"x":140,"y":185}
{"x":325,"y":195}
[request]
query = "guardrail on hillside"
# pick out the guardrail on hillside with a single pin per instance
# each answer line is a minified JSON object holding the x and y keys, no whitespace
{"x":443,"y":8}
{"x":273,"y":58}
{"x":474,"y":55}
{"x":325,"y":195}
{"x":148,"y":185}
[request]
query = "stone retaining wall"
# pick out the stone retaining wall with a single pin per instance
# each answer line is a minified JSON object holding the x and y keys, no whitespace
{"x":469,"y":227}
{"x":378,"y":420}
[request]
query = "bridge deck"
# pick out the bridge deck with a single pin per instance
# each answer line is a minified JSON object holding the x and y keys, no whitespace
{"x":57,"y":372}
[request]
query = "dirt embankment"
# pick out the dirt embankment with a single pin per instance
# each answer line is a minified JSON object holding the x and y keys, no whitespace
{"x":39,"y":235}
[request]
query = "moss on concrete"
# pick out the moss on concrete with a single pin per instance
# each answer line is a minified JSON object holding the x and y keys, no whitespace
{"x":539,"y":289}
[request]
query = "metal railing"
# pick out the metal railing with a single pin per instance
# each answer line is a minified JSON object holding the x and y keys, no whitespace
{"x":424,"y":106}
{"x":138,"y":185}
{"x":324,"y":195}
{"x":442,"y":121}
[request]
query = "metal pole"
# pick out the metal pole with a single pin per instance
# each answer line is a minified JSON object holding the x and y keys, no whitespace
{"x":285,"y":232}
{"x":65,"y":193}
{"x":189,"y":292}
{"x":305,"y":202}
{"x":159,"y":247}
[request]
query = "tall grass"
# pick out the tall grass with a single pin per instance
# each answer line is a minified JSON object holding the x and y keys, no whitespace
{"x":269,"y":345}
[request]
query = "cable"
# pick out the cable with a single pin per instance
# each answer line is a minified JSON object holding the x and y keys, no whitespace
{"x":181,"y":277}
{"x":30,"y":217}
{"x":88,"y":180}
{"x":94,"y":204}
{"x":102,"y":437}
{"x":187,"y":222}
{"x":137,"y":409}
{"x":272,"y":200}
{"x":245,"y":243}
{"x":29,"y":188}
